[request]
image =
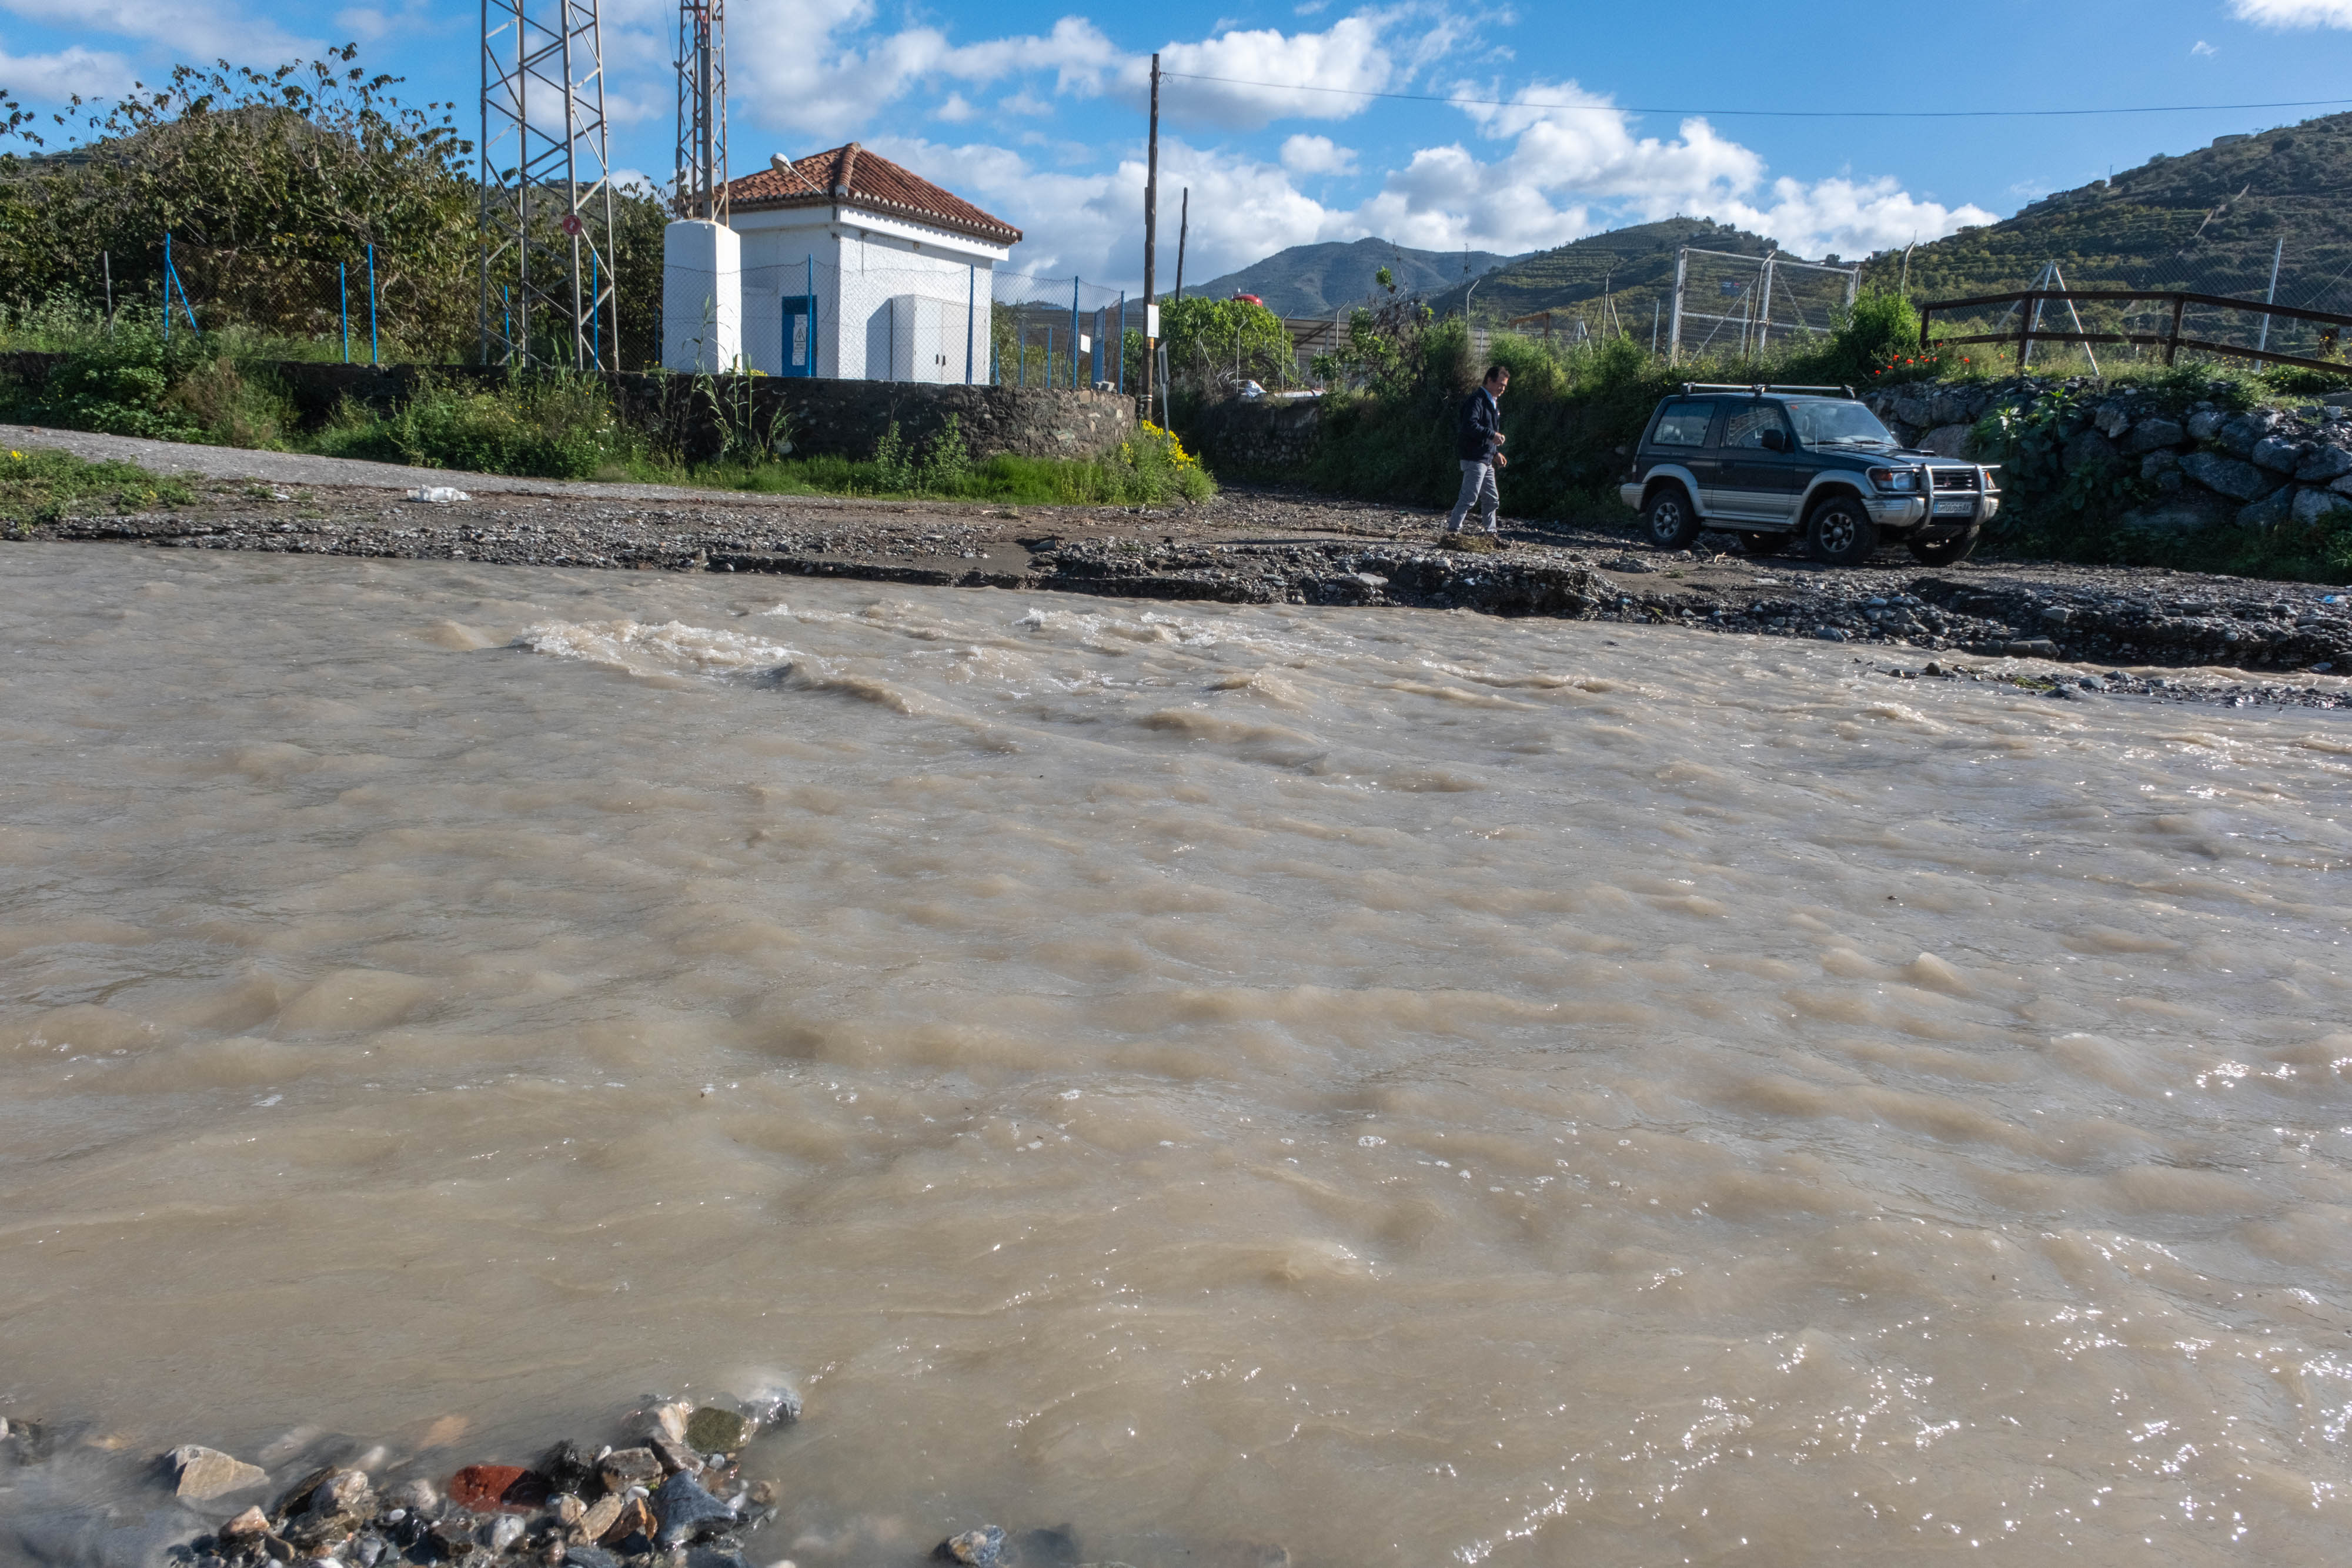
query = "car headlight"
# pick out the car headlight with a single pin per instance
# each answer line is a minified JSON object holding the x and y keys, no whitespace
{"x":1894,"y":478}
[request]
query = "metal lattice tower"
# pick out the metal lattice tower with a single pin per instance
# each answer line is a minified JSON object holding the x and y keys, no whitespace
{"x":547,"y":207}
{"x":701,"y":111}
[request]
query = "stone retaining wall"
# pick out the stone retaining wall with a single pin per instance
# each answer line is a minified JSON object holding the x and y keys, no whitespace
{"x":827,"y":417}
{"x":1239,"y":436}
{"x":2203,"y":461}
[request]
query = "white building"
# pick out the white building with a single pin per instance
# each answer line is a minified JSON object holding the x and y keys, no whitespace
{"x":852,"y":266}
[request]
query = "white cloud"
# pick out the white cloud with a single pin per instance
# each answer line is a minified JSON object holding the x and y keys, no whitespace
{"x":191,"y":28}
{"x":1316,"y":155}
{"x":1555,"y":163}
{"x":2202,"y":47}
{"x":1315,"y":76}
{"x":790,"y":67}
{"x":52,"y":78}
{"x":2293,"y":13}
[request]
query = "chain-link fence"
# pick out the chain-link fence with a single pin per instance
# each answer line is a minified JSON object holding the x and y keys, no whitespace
{"x":1730,"y":304}
{"x":1062,"y":332}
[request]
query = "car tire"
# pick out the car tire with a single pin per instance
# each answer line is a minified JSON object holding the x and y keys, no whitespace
{"x":1948,"y":551}
{"x":1670,"y":521}
{"x":1839,"y":532}
{"x":1762,"y":545}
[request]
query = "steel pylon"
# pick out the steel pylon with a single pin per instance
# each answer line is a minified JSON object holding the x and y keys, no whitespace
{"x":701,"y":162}
{"x":547,"y":204}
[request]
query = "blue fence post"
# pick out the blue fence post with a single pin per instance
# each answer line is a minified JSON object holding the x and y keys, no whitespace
{"x":1119,"y":371}
{"x":343,"y":293}
{"x":167,"y":288}
{"x":808,"y":286}
{"x":1073,"y":334}
{"x":971,"y":318}
{"x":595,"y":316}
{"x":1020,"y":353}
{"x":374,"y":357}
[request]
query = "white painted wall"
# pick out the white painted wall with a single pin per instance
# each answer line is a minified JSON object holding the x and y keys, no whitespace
{"x":702,"y":296}
{"x":896,"y":301}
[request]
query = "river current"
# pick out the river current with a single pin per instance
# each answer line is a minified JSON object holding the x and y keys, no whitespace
{"x":1406,"y":1087}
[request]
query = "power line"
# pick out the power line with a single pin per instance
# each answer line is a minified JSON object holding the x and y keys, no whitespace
{"x":1770,"y":113}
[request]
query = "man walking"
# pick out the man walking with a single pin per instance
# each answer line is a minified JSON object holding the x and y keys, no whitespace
{"x":1479,"y":444}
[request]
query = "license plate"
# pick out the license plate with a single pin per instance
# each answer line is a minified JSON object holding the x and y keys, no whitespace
{"x":1958,"y":508}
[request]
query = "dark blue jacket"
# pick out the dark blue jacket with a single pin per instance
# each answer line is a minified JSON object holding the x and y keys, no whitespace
{"x":1480,"y":421}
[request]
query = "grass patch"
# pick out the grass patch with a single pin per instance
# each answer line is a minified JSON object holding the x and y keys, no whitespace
{"x":221,"y":390}
{"x":44,"y":485}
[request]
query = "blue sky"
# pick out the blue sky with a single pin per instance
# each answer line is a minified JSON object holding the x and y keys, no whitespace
{"x":1036,"y":111}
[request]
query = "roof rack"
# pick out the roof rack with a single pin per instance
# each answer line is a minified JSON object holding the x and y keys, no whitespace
{"x":1759,"y":388}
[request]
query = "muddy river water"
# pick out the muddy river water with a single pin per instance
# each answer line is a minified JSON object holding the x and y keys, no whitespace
{"x":1405,"y":1087}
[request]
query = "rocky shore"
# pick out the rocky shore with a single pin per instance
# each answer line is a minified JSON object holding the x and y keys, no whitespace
{"x":676,"y":1487}
{"x":2230,"y":639}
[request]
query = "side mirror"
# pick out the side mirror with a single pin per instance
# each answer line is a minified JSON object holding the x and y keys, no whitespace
{"x":1775,"y":441}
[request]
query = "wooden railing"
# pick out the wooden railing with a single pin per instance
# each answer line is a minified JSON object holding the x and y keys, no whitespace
{"x":2170,"y":341}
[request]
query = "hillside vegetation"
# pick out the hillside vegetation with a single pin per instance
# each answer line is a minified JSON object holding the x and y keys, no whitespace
{"x":2207,"y":221}
{"x":1635,"y":267}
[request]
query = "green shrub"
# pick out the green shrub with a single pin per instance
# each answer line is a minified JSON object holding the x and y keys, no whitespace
{"x":544,"y":427}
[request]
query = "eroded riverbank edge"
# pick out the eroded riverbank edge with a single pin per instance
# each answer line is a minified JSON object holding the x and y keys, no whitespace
{"x":2235,"y":640}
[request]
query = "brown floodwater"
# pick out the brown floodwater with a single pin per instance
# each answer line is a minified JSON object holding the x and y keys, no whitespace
{"x":1408,"y":1087}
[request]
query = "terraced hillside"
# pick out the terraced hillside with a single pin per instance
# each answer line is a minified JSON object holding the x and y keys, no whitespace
{"x":2207,"y":221}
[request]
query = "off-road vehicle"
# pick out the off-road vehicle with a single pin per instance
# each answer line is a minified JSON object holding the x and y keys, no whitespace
{"x":1776,"y":464}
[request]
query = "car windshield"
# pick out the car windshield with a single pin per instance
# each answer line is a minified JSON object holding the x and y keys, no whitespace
{"x":1838,"y":423}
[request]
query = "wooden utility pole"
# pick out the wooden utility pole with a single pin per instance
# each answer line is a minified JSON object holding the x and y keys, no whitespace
{"x":1183,"y":228}
{"x":1150,"y":243}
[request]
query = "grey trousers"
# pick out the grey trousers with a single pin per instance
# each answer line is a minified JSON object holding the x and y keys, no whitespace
{"x":1477,"y":490}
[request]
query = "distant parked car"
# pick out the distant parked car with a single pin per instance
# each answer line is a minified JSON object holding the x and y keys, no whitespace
{"x":1249,"y":299}
{"x":1777,"y":464}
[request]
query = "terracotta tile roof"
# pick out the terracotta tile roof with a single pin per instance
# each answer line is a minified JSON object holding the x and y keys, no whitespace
{"x":851,"y":174}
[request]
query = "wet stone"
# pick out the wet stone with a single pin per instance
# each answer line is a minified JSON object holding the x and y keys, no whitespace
{"x":981,"y":1548}
{"x":634,"y":1523}
{"x":245,"y":1526}
{"x":625,"y":1468}
{"x":503,"y":1532}
{"x":589,"y":1557}
{"x":568,"y":1467}
{"x":345,"y":1491}
{"x":488,"y":1488}
{"x":675,"y":1456}
{"x":417,"y":1496}
{"x":200,"y":1473}
{"x":712,"y":1431}
{"x":688,"y":1513}
{"x":600,"y":1517}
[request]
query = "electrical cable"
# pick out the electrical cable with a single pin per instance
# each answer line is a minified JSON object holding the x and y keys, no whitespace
{"x":1767,"y":113}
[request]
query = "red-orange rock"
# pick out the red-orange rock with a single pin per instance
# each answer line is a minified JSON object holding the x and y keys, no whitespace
{"x":487,"y":1488}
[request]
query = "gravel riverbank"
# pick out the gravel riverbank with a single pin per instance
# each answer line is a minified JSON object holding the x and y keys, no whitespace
{"x":2229,"y":639}
{"x":680,"y":1484}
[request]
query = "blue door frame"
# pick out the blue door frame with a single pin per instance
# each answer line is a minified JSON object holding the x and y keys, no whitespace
{"x":800,"y":345}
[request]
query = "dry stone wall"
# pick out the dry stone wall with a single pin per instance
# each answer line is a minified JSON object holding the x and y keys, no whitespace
{"x":2206,"y":461}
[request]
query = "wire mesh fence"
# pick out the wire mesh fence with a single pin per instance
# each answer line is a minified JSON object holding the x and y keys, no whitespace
{"x":1062,"y":332}
{"x":1728,"y":303}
